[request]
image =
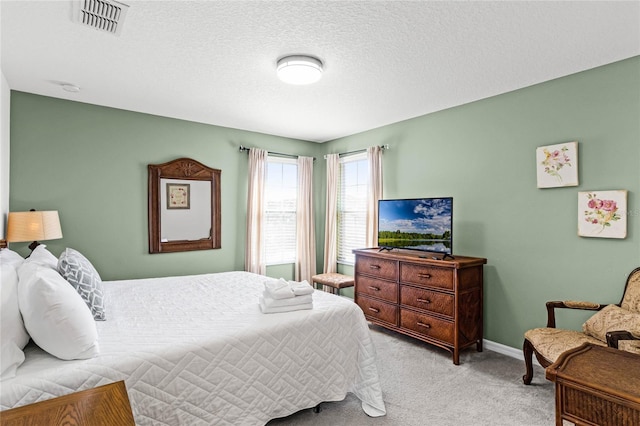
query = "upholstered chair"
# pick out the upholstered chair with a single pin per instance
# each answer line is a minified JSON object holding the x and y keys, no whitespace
{"x":617,"y":326}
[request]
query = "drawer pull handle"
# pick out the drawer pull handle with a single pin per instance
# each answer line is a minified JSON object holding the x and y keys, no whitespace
{"x":374,"y":266}
{"x":423,"y":300}
{"x":374,"y":310}
{"x":374,"y":288}
{"x":421,"y":324}
{"x":422,"y":275}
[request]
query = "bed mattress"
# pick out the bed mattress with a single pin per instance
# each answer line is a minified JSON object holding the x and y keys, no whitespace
{"x":197,"y":350}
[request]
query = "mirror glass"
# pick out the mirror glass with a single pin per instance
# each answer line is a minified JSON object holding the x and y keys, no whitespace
{"x":184,"y":206}
{"x":185,"y":223}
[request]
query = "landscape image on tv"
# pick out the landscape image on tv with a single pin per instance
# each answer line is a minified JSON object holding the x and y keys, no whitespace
{"x":416,"y":224}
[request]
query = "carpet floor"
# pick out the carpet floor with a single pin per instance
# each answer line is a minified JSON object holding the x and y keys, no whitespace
{"x":421,"y":386}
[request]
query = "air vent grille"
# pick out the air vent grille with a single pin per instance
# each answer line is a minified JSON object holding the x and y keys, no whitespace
{"x":103,"y":15}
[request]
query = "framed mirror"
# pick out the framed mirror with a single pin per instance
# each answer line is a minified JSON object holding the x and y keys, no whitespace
{"x":184,"y":206}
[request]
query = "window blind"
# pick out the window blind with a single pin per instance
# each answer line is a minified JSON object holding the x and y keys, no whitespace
{"x":280,"y":211}
{"x":352,"y":206}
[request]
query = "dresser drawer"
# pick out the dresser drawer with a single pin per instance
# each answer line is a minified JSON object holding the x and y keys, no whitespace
{"x":428,"y":300}
{"x":381,"y":268}
{"x":378,"y":310}
{"x":377,"y":288}
{"x":427,"y":325}
{"x":426,"y":276}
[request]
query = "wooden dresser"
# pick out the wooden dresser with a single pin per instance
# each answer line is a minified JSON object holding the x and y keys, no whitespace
{"x":596,"y":385}
{"x":436,"y":301}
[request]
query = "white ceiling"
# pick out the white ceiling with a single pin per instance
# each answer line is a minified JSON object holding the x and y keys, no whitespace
{"x":385,"y":61}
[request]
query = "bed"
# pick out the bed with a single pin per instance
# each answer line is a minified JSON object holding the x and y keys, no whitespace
{"x":197,"y":350}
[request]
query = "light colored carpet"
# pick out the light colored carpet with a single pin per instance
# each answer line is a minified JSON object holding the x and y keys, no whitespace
{"x":421,"y":386}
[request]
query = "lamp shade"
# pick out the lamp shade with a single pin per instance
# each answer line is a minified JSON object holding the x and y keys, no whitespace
{"x":33,"y":226}
{"x":299,"y":69}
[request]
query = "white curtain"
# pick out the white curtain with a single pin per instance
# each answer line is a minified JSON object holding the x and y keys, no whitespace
{"x":305,"y":225}
{"x":254,"y":256}
{"x":374,"y":156}
{"x":331,"y":215}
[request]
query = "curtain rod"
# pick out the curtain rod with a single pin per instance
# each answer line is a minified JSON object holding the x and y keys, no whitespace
{"x":344,"y":154}
{"x":277,"y":154}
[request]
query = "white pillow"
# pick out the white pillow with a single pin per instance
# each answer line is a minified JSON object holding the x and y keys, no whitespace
{"x":43,"y":256}
{"x":14,"y":335}
{"x":54,"y":314}
{"x":10,"y":257}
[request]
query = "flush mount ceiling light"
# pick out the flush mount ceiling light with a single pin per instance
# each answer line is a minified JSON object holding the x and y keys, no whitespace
{"x":299,"y":69}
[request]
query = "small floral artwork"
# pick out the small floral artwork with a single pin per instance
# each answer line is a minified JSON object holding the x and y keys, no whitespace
{"x":602,"y":214}
{"x":557,"y":165}
{"x":178,"y":196}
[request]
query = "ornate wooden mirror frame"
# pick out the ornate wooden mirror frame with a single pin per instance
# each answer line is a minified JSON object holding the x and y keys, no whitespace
{"x":182,"y":169}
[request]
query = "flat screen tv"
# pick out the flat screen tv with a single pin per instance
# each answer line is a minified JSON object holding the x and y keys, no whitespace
{"x":416,"y":224}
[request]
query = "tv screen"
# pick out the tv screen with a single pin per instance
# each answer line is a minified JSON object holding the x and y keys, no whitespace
{"x":416,"y":224}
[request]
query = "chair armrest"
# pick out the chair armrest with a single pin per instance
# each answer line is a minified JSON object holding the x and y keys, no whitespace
{"x":614,"y":336}
{"x":568,"y":304}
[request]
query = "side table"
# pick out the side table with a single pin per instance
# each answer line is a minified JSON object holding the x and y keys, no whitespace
{"x":596,"y":385}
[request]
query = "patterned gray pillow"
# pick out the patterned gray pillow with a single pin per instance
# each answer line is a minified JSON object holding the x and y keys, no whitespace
{"x":80,"y":273}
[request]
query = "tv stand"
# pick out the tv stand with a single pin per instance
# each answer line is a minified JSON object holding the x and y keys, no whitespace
{"x":438,"y":301}
{"x":385,"y":248}
{"x":447,"y":255}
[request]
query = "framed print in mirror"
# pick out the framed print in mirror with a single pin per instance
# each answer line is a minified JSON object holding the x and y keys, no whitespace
{"x":602,"y":214}
{"x":557,"y":165}
{"x":178,"y":196}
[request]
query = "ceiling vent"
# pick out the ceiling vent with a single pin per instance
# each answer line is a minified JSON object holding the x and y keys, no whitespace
{"x":102,"y":15}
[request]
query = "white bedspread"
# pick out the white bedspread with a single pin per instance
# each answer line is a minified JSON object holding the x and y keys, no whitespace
{"x":197,"y":350}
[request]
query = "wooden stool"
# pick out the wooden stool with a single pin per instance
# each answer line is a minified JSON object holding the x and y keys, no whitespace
{"x":334,"y":281}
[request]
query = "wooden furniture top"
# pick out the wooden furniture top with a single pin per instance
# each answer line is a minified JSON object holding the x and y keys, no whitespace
{"x":434,"y":259}
{"x":104,"y":405}
{"x":608,"y":370}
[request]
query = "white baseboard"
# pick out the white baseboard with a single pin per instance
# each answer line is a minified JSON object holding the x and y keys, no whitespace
{"x":506,"y":350}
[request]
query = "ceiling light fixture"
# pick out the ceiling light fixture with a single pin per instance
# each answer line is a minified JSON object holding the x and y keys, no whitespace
{"x":299,"y":69}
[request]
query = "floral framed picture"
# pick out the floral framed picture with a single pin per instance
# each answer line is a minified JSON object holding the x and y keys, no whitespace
{"x":602,"y":214}
{"x":557,"y":165}
{"x":178,"y":196}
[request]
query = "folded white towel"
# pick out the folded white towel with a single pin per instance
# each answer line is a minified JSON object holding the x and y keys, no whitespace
{"x":278,"y":303}
{"x":301,"y":288}
{"x":278,"y":289}
{"x":278,"y":309}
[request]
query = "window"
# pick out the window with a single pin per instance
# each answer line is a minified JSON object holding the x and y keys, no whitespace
{"x":352,"y":205}
{"x":280,"y":211}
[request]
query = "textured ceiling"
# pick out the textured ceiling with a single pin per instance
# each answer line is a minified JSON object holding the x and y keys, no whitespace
{"x":385,"y":61}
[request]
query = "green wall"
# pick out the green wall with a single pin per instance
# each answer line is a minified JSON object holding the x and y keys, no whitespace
{"x":89,"y":162}
{"x":483,"y":154}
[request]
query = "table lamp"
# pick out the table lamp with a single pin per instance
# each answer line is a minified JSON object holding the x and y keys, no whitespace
{"x":33,"y":226}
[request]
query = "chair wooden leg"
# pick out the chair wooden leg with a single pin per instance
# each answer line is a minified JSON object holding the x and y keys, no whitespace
{"x":527,"y":351}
